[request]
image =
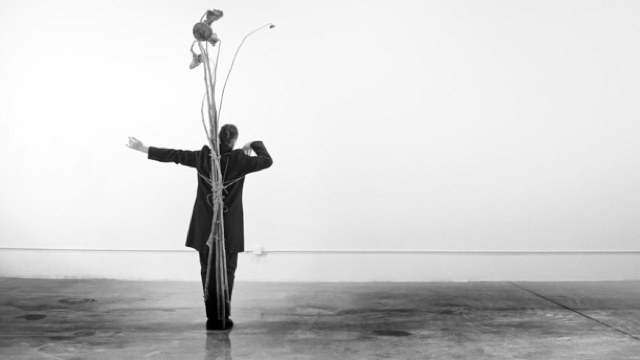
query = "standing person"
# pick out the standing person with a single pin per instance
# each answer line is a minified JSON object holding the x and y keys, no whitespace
{"x":234,"y":165}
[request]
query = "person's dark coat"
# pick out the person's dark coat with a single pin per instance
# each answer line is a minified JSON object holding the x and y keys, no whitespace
{"x":234,"y":165}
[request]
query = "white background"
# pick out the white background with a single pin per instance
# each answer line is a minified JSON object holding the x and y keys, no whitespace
{"x":406,"y":125}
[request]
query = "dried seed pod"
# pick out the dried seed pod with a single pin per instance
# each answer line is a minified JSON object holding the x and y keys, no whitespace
{"x":202,"y":31}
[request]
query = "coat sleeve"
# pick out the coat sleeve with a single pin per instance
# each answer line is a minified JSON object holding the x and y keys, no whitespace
{"x":187,"y":158}
{"x":261,"y":161}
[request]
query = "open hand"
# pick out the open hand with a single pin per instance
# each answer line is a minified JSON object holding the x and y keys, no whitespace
{"x":247,"y":149}
{"x":136,"y":144}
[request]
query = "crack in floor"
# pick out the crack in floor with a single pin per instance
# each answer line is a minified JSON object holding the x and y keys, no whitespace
{"x":575,"y":311}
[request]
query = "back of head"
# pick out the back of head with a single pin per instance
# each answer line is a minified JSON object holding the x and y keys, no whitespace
{"x":228,"y":135}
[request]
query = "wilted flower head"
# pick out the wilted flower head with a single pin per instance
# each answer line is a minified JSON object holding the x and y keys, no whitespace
{"x":213,"y":40}
{"x":197,"y":60}
{"x":202,"y":31}
{"x":213,"y":15}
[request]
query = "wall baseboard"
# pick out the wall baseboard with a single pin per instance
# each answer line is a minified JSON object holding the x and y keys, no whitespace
{"x":327,"y":266}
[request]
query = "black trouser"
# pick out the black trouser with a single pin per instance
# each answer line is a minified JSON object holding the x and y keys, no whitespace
{"x":211,"y":305}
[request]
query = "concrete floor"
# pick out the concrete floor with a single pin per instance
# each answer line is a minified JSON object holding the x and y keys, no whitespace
{"x":106,"y":319}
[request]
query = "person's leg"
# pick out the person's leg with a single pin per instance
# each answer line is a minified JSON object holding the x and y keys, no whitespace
{"x":232,"y":265}
{"x":210,"y":304}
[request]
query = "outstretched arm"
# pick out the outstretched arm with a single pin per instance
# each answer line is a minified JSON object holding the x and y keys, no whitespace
{"x":188,"y":158}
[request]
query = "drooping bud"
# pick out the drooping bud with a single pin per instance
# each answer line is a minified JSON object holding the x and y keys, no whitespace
{"x":195,"y":61}
{"x":213,"y":40}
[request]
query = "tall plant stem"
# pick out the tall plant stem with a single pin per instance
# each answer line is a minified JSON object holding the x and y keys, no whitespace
{"x":234,"y":61}
{"x":215,"y":242}
{"x":210,"y":240}
{"x":207,"y":81}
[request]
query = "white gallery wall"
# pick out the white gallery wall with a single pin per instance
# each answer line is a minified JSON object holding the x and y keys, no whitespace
{"x":412,"y":140}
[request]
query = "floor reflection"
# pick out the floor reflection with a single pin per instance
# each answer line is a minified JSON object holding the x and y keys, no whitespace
{"x":218,"y":346}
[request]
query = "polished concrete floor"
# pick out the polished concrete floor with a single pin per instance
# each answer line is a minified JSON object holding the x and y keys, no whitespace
{"x":106,"y":319}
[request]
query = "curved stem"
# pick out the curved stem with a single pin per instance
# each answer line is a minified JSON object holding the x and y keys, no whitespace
{"x":215,"y":79}
{"x":215,"y":69}
{"x":207,"y":78}
{"x":206,"y":131}
{"x":234,"y":61}
{"x":213,"y":129}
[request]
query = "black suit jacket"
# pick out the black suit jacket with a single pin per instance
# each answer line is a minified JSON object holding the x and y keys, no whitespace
{"x":235,"y":165}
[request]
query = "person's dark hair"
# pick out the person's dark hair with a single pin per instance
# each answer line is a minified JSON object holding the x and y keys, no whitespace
{"x":228,"y":133}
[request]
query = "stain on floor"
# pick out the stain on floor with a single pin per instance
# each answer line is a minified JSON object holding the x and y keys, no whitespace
{"x":32,"y":317}
{"x":391,"y":333}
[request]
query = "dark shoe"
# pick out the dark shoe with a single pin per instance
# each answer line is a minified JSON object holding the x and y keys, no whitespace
{"x":215,"y":324}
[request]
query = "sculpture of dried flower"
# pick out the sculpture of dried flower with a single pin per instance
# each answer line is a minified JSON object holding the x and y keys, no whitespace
{"x":205,"y":37}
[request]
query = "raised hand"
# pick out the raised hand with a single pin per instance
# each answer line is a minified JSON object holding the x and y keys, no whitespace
{"x":247,"y":149}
